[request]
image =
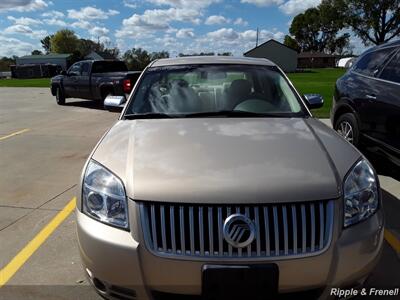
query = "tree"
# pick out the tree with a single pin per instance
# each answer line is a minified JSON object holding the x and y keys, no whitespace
{"x":138,"y":58}
{"x":317,"y":29}
{"x":225,"y":54}
{"x":5,"y":63}
{"x":291,"y":42}
{"x":159,"y":55}
{"x":36,"y":52}
{"x":64,"y":41}
{"x":86,"y":46}
{"x":374,"y":21}
{"x":46,"y":43}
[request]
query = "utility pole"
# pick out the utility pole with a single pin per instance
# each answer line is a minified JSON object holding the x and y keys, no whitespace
{"x":257,"y":38}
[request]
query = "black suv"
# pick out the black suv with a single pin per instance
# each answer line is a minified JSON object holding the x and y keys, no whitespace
{"x":366,"y":102}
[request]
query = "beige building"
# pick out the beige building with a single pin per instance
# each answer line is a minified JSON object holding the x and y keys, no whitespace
{"x":284,"y":56}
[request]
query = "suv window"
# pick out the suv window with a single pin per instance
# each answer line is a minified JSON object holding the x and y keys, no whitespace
{"x":392,"y":70}
{"x":370,"y":63}
{"x":75,"y":70}
{"x":85,"y":69}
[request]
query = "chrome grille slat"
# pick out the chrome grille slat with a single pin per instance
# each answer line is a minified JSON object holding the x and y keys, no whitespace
{"x":276,"y":230}
{"x":172,"y":221}
{"x":312,"y":227}
{"x":191,"y":225}
{"x":321,"y":224}
{"x":201,"y":230}
{"x":267,"y":236}
{"x":220,"y":242}
{"x":163,"y":234}
{"x":257,"y":221}
{"x":211,"y":230}
{"x":304,"y":231}
{"x":182,"y":228}
{"x":294,"y":222}
{"x":228,"y":212}
{"x":153,"y":226}
{"x":281,"y":230}
{"x":285,"y":230}
{"x":247,"y":214}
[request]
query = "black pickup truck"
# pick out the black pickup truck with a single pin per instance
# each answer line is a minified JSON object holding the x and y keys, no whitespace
{"x":93,"y":80}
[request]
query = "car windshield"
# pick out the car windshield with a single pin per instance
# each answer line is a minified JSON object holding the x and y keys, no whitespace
{"x":182,"y":91}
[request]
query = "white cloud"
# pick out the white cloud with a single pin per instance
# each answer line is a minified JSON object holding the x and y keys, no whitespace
{"x":22,"y":5}
{"x":81,"y":24}
{"x":216,"y":19}
{"x":241,"y":22}
{"x":196,"y":4}
{"x":228,"y":39}
{"x":262,"y":2}
{"x":12,"y":46}
{"x":102,"y":39}
{"x":185,"y":33}
{"x":25,"y":30}
{"x":24,"y":21}
{"x":294,"y":7}
{"x":91,"y":13}
{"x":226,"y":34}
{"x":98,"y":31}
{"x":155,"y":20}
{"x":56,"y":22}
{"x":130,"y":3}
{"x":53,"y":14}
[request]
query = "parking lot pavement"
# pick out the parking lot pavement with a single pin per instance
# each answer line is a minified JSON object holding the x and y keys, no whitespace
{"x":42,"y":150}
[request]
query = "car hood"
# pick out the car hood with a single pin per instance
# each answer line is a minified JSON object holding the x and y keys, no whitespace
{"x":227,"y":160}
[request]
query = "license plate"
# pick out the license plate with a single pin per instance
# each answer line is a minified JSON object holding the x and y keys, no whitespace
{"x":254,"y":282}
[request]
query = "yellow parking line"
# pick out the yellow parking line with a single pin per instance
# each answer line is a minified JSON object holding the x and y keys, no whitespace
{"x":20,"y":259}
{"x":14,"y":134}
{"x":392,"y":240}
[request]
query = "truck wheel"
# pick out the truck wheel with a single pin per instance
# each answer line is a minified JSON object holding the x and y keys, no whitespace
{"x":347,"y":127}
{"x":60,"y":98}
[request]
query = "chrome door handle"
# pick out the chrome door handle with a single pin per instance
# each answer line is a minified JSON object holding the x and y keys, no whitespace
{"x":372,"y":97}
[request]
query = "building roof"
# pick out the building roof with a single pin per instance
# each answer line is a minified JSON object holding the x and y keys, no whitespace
{"x":314,"y":55}
{"x":46,"y":56}
{"x":267,"y":42}
{"x":191,"y":60}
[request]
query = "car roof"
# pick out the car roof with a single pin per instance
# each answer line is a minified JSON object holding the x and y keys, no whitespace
{"x":391,"y":44}
{"x":198,"y":60}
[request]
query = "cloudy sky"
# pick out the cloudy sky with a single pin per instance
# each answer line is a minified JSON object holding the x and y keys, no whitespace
{"x":174,"y":25}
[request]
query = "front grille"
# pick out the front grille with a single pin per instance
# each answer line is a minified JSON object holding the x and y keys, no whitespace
{"x":281,"y":230}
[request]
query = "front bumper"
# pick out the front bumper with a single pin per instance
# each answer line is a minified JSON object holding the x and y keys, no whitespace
{"x":118,"y":259}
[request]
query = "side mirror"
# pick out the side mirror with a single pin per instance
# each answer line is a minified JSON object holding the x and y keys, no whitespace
{"x":114,"y":103}
{"x":63,"y":73}
{"x":314,"y":101}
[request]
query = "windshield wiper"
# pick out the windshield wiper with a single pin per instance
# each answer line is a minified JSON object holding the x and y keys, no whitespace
{"x":221,"y":113}
{"x":150,"y":115}
{"x":236,"y":114}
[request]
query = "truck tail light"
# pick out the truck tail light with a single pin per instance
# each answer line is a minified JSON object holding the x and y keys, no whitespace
{"x":127,"y":85}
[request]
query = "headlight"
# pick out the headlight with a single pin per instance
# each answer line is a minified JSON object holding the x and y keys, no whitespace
{"x":103,"y":196}
{"x":361,"y":196}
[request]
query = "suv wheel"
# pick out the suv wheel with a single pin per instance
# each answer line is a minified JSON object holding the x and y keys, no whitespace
{"x":347,"y":127}
{"x":60,"y":98}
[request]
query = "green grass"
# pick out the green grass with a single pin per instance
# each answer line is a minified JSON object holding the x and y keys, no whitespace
{"x":37,"y":82}
{"x":318,"y":81}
